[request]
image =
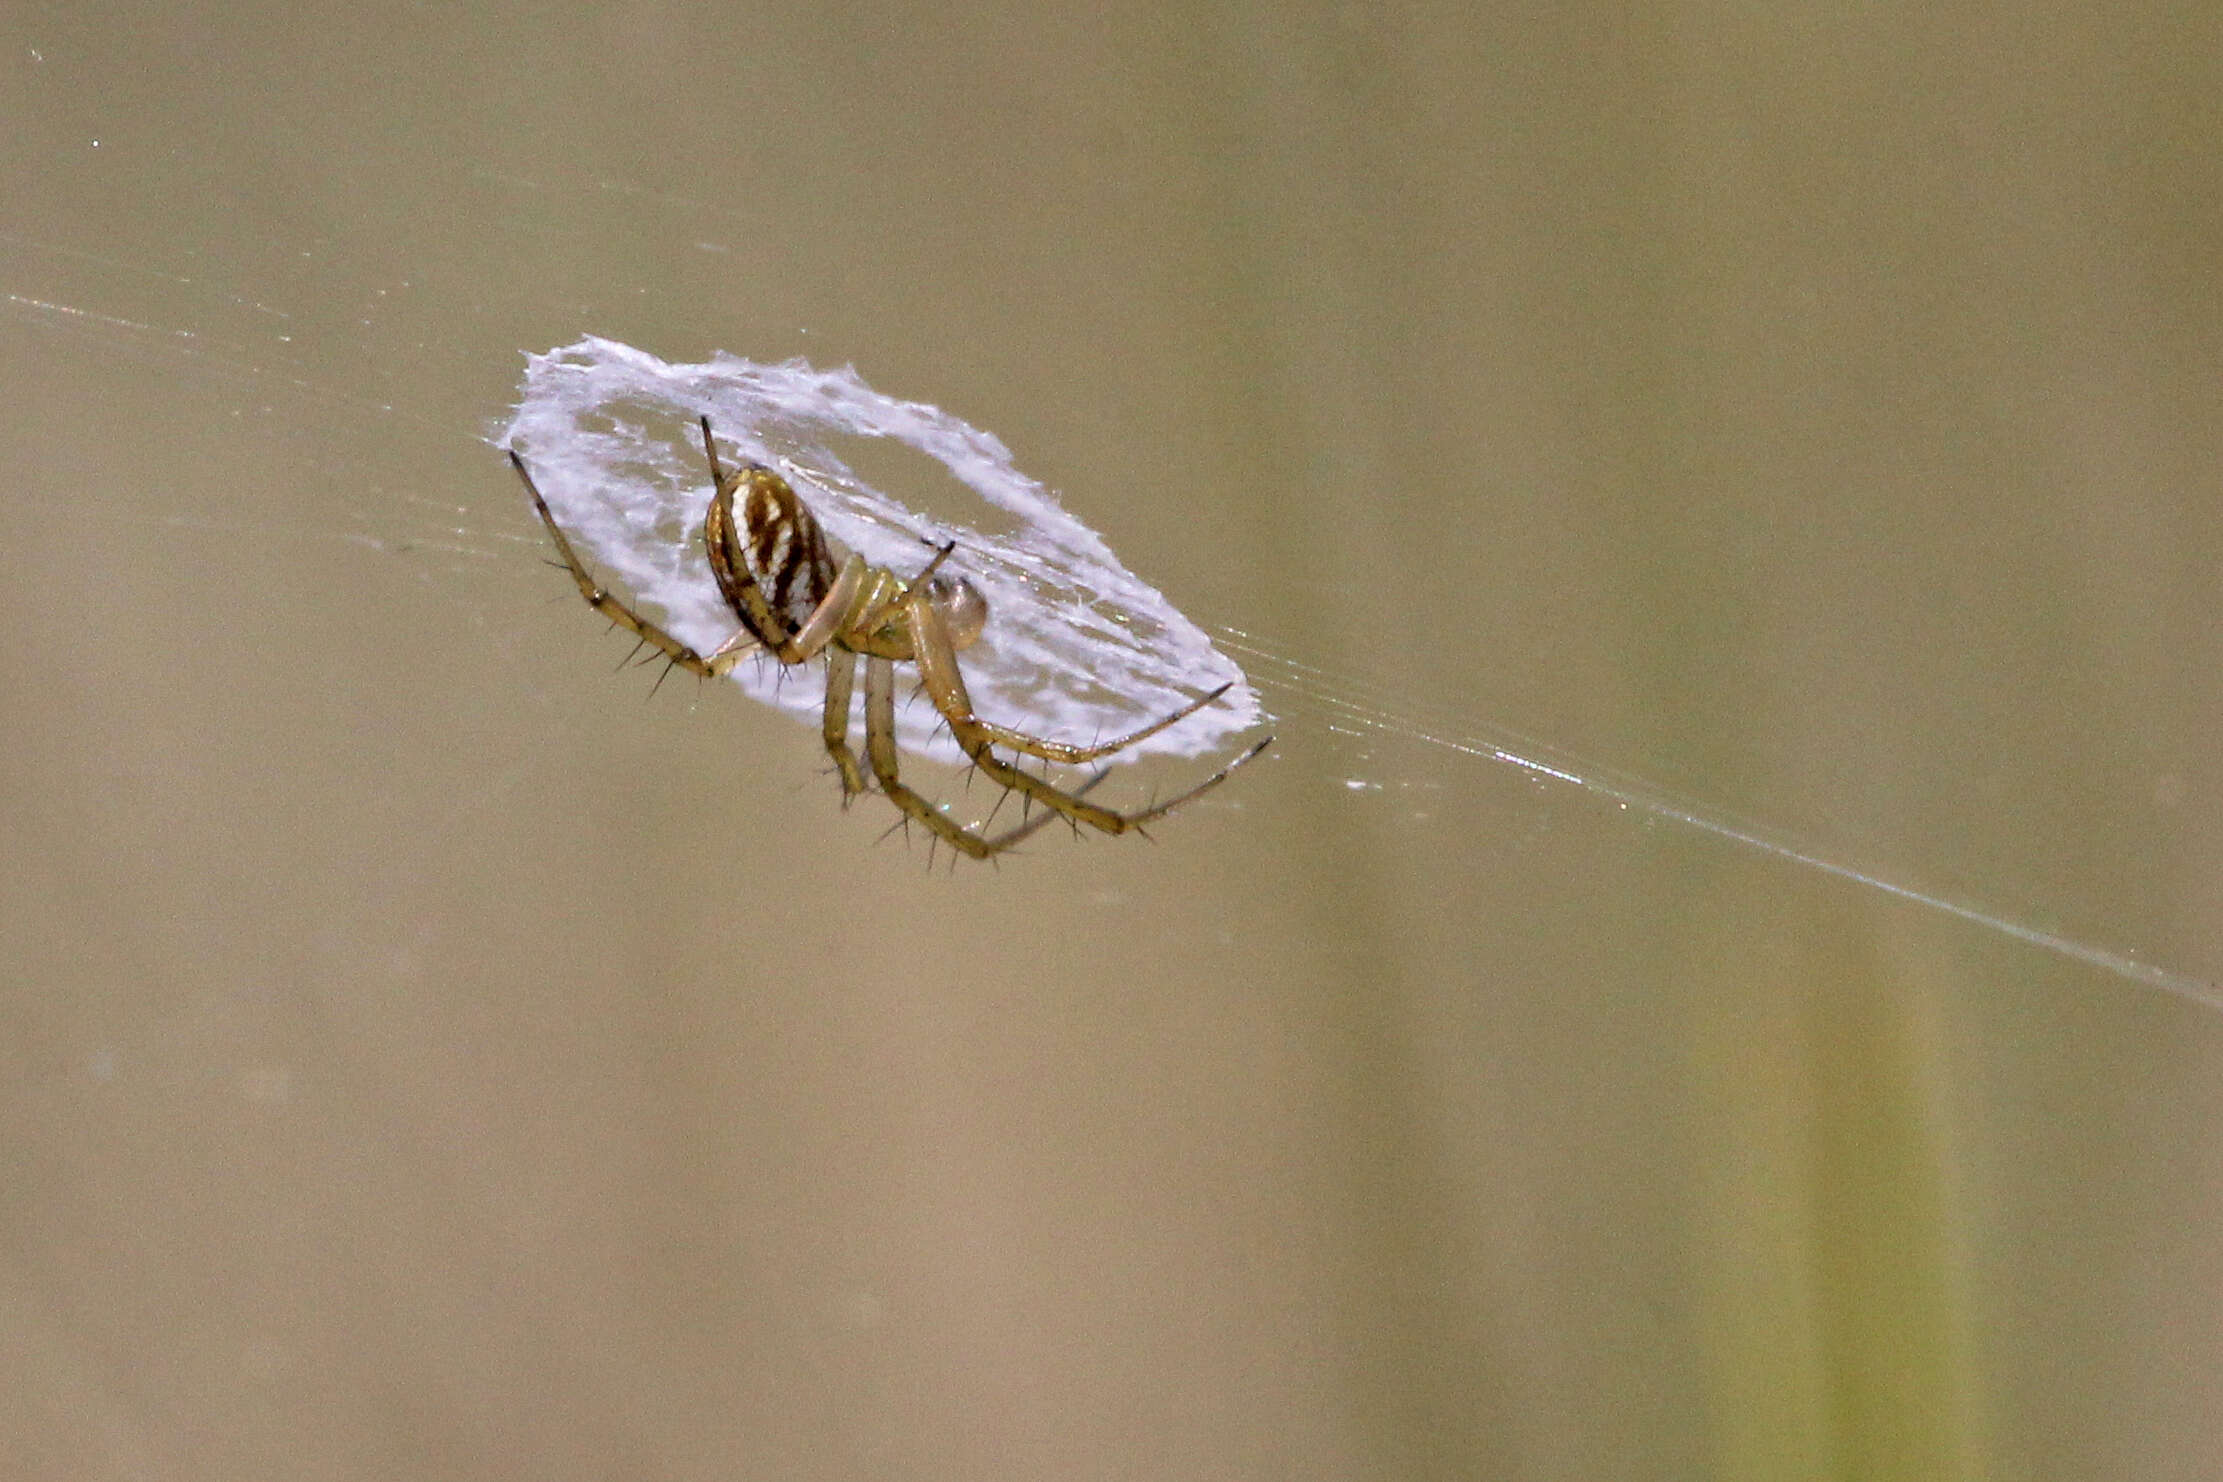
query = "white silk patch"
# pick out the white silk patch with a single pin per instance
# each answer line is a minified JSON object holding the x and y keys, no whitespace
{"x":1077,"y":648}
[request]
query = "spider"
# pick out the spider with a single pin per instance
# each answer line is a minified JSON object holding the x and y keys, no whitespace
{"x":795,"y":599}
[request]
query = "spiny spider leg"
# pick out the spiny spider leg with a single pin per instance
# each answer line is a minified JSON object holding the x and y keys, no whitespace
{"x":606,"y":602}
{"x":936,"y":656}
{"x":880,"y":748}
{"x":1070,"y":805}
{"x":935,"y":653}
{"x":1063,"y":751}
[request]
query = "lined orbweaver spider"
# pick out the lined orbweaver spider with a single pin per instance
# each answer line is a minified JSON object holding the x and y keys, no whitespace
{"x":777,"y":571}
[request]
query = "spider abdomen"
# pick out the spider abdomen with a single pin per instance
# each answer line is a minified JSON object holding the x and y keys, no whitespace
{"x":788,"y":553}
{"x":783,"y":551}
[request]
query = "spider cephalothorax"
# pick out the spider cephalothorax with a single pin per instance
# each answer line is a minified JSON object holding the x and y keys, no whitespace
{"x":795,"y":597}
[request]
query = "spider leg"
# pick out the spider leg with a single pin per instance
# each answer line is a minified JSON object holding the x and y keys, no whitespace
{"x":1062,"y":751}
{"x":936,"y":656}
{"x":710,"y":451}
{"x":828,"y":617}
{"x":941,"y":554}
{"x":841,"y":668}
{"x":606,"y":602}
{"x":1067,"y":803}
{"x":880,"y":750}
{"x":936,"y":653}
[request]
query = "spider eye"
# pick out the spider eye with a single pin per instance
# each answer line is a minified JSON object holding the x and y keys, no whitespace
{"x":961,"y":606}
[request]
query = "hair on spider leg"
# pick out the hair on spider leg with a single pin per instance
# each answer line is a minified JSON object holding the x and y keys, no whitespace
{"x":1150,"y":805}
{"x":1002,"y":798}
{"x":847,"y":797}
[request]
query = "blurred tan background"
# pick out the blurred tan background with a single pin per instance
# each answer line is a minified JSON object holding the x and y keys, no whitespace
{"x":426,"y":1055}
